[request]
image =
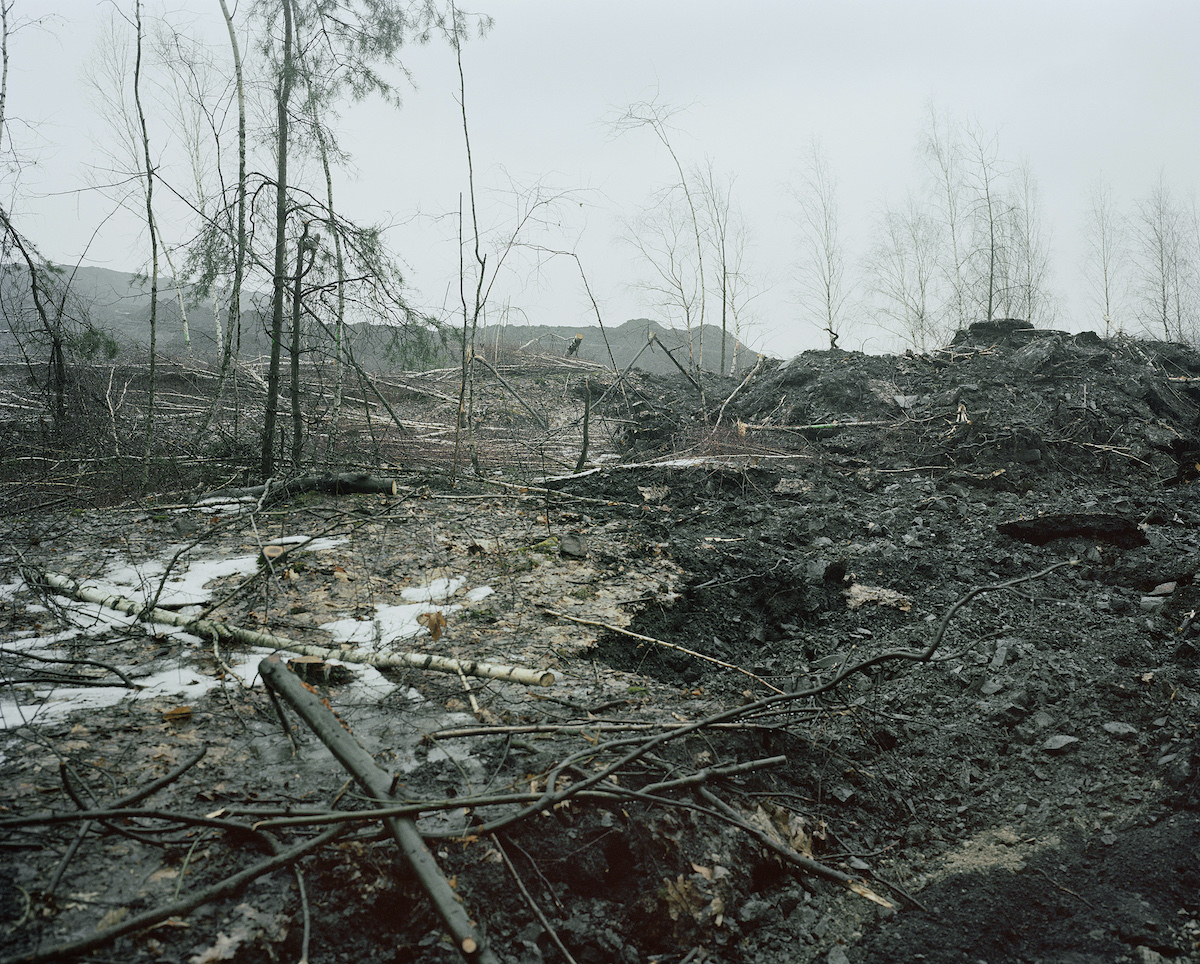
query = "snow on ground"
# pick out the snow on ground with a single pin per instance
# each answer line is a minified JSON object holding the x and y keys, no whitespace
{"x":186,"y":585}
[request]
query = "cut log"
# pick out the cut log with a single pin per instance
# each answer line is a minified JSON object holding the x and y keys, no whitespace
{"x":377,"y":783}
{"x":339,"y":484}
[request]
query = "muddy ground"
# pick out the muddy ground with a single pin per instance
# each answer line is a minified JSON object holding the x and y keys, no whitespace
{"x":1015,"y":777}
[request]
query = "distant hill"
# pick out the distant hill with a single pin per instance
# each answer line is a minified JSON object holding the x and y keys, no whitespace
{"x":116,"y":304}
{"x":625,"y":342}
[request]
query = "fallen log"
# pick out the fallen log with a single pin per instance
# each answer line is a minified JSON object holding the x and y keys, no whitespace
{"x":377,"y":783}
{"x":440,"y":664}
{"x":207,"y":628}
{"x":337,"y":484}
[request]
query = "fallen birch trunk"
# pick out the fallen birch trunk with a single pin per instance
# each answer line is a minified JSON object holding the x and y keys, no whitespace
{"x":207,"y":628}
{"x":441,"y":664}
{"x":378,"y":783}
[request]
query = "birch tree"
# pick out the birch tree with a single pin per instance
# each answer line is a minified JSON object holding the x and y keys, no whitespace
{"x":941,"y":147}
{"x":903,"y":268}
{"x":1105,"y":265}
{"x":1166,"y":273}
{"x":657,"y":117}
{"x":821,"y":268}
{"x":1025,"y":290}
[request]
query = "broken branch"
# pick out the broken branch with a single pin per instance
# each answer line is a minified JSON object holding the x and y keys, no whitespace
{"x":666,"y":645}
{"x":377,"y":784}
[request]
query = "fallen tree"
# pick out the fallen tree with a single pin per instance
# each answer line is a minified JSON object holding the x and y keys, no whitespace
{"x":208,"y":628}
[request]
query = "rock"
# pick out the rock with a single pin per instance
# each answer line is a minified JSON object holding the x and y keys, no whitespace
{"x":837,"y":955}
{"x":753,"y":910}
{"x":1059,"y":743}
{"x":1011,"y":714}
{"x":1119,"y":729}
{"x":1152,"y":604}
{"x":572,"y":545}
{"x":1000,"y":655}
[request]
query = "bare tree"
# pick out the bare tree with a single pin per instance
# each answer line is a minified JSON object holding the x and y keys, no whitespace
{"x":36,"y":298}
{"x":152,"y":227}
{"x":1105,"y":266}
{"x":283,"y":92}
{"x":347,"y":45}
{"x":727,"y":235}
{"x":1025,"y":291}
{"x":989,"y":208}
{"x":662,"y":237}
{"x":821,"y":269}
{"x":657,"y":117}
{"x":1165,"y":285}
{"x":903,"y":268}
{"x":941,"y":146}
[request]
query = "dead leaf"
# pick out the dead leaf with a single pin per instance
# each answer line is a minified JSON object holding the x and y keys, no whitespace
{"x":224,"y":949}
{"x":682,"y":898}
{"x":112,"y":918}
{"x":435,"y":622}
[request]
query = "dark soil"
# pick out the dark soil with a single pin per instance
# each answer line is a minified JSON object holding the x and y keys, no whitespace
{"x":1029,"y":792}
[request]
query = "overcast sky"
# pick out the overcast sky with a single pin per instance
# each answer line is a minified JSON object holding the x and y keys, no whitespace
{"x":1081,"y":89}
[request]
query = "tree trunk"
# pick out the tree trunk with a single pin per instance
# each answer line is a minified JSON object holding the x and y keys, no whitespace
{"x":280,"y":270}
{"x":137,"y":76}
{"x":340,"y":267}
{"x":297,"y":415}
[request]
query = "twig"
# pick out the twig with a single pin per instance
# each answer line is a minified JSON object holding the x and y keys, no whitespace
{"x":733,"y":395}
{"x":587,"y":417}
{"x":125,"y":678}
{"x":181,"y":908}
{"x":442,"y":664}
{"x":304,"y":911}
{"x":533,"y":906}
{"x":515,"y":394}
{"x":787,"y":853}
{"x":667,"y":351}
{"x":552,"y":795}
{"x":613,"y":387}
{"x":708,"y":773}
{"x":126,"y":801}
{"x":664,"y":643}
{"x":220,"y":662}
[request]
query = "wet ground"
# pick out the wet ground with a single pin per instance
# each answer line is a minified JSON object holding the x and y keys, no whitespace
{"x":1013,"y":777}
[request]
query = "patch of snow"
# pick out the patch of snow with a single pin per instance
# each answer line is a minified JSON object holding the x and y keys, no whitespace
{"x":390,"y":623}
{"x":436,"y":591}
{"x":310,"y":544}
{"x":184,"y":586}
{"x":478,"y":593}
